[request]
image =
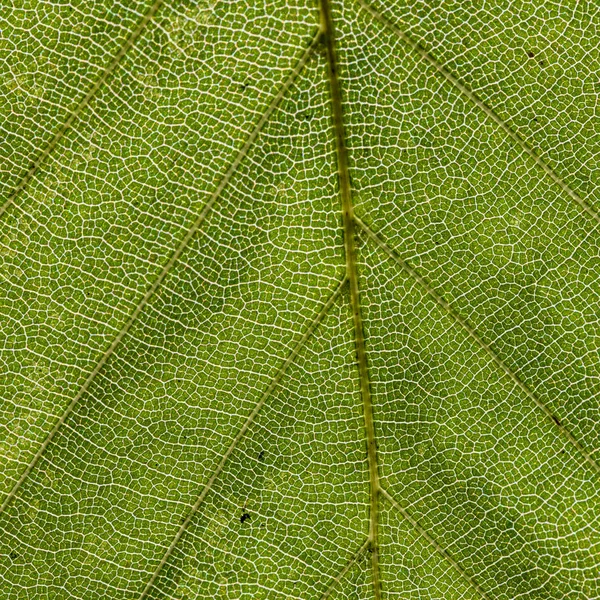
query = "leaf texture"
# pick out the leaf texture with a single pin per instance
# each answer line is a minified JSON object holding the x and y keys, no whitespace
{"x":299,"y":300}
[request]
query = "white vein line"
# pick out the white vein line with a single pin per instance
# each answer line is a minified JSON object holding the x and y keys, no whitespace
{"x":82,"y":105}
{"x":345,"y":570}
{"x":267,"y":393}
{"x":479,"y":340}
{"x":438,"y":548}
{"x":166,"y":269}
{"x":442,"y":70}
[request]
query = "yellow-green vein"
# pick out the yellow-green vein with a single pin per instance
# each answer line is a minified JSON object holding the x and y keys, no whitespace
{"x":439,"y":549}
{"x":328,"y":39}
{"x":442,"y":70}
{"x":479,"y":341}
{"x":267,"y":393}
{"x":164,"y":272}
{"x":112,"y":65}
{"x":336,"y":580}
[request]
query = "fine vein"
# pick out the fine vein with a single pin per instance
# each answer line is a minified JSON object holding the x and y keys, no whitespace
{"x":267,"y":393}
{"x":328,"y":40}
{"x":442,"y":70}
{"x":81,"y":106}
{"x":480,"y":342}
{"x":164,"y":272}
{"x":439,"y":549}
{"x":355,"y":557}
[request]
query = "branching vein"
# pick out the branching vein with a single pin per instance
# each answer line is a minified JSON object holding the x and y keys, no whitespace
{"x":448,"y":308}
{"x":161,"y":277}
{"x":442,"y":70}
{"x":267,"y":393}
{"x":356,"y":556}
{"x":35,"y":165}
{"x":439,"y":549}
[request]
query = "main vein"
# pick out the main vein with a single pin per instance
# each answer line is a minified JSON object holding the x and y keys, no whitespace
{"x":112,"y":65}
{"x":328,"y":39}
{"x":267,"y":393}
{"x":164,"y":272}
{"x":513,"y":135}
{"x":456,"y":316}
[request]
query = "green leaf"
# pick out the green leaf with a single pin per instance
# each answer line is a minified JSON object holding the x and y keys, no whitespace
{"x":299,"y":300}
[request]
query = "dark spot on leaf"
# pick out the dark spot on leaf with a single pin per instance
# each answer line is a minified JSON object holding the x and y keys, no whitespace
{"x":541,"y":63}
{"x":13,"y":555}
{"x":556,"y":420}
{"x":530,"y":54}
{"x":244,"y":517}
{"x":261,"y":455}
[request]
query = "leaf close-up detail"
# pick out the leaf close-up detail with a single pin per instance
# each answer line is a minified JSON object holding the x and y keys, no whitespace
{"x":299,"y":299}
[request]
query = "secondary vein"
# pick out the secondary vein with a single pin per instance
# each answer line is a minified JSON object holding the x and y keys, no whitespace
{"x":328,"y":40}
{"x":353,"y":560}
{"x":435,"y":544}
{"x":162,"y":275}
{"x":471,"y":331}
{"x":135,"y":34}
{"x":266,"y":395}
{"x":461,"y":87}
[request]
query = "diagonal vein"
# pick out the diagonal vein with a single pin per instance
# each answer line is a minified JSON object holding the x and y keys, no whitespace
{"x":353,"y":560}
{"x":112,"y":65}
{"x":328,"y":39}
{"x":456,"y":316}
{"x":434,"y":543}
{"x":164,"y":272}
{"x":443,"y":70}
{"x":267,"y":393}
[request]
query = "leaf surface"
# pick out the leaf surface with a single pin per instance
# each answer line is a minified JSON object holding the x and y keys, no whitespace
{"x":299,"y":300}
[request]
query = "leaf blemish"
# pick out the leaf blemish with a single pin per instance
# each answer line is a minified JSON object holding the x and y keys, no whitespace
{"x":244,"y":517}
